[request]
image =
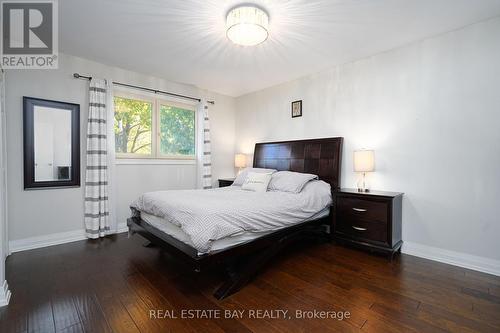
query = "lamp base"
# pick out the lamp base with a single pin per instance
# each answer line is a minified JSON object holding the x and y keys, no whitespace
{"x":361,"y":184}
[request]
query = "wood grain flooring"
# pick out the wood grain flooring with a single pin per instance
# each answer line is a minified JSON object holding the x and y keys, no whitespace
{"x":111,"y":285}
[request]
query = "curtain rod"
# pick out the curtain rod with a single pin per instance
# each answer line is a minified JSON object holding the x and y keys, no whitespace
{"x":79,"y":76}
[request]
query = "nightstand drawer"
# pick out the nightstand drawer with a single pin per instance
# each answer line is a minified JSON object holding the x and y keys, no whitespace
{"x":358,"y":227}
{"x":364,"y":209}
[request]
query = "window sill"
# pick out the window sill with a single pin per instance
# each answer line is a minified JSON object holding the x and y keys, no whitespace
{"x":152,"y":161}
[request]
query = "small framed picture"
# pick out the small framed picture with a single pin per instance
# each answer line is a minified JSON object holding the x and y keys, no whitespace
{"x":296,"y":109}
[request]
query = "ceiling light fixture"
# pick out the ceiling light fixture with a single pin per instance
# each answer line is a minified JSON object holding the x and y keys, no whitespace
{"x":247,"y":25}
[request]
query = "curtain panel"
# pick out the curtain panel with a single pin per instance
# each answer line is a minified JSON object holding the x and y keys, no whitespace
{"x":204,"y":155}
{"x":99,"y":193}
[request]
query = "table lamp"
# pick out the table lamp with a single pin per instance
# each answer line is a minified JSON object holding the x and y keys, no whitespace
{"x":240,"y":161}
{"x":364,"y":161}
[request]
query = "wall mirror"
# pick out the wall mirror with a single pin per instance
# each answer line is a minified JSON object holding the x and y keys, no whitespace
{"x":51,"y":143}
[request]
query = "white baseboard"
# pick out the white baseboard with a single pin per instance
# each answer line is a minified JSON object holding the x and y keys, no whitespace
{"x":4,"y":294}
{"x":122,"y":227}
{"x":460,"y":259}
{"x":53,"y":239}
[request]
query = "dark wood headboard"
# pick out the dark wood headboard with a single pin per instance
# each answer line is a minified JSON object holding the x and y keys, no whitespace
{"x":321,"y":157}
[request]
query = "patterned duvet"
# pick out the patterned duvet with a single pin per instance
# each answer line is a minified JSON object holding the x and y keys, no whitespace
{"x":209,"y":215}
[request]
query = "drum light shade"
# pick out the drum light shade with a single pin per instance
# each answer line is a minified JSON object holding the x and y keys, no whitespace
{"x":247,"y":25}
{"x":240,"y":161}
{"x":364,"y":161}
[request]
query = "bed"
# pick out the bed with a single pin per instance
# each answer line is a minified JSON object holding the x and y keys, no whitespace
{"x":233,"y":223}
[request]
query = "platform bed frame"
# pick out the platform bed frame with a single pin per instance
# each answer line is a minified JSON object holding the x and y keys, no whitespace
{"x":317,"y":156}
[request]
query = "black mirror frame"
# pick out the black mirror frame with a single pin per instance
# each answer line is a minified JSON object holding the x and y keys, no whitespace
{"x":29,"y":143}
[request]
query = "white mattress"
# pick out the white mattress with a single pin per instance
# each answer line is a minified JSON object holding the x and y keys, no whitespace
{"x":220,"y":244}
{"x":207,"y":216}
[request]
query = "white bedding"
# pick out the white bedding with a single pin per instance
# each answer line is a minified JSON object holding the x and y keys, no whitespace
{"x":206,"y":216}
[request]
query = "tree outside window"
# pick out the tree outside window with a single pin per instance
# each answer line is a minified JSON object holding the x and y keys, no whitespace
{"x":153,"y":128}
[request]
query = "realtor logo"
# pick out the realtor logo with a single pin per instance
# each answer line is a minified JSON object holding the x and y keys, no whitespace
{"x":29,"y":34}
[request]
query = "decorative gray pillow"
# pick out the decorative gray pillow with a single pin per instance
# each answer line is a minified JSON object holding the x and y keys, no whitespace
{"x":289,"y":181}
{"x":240,"y":179}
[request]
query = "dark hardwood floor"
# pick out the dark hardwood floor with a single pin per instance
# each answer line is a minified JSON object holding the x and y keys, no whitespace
{"x":111,"y":285}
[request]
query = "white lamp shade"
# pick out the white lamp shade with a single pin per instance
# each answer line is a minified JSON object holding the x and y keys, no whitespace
{"x":240,"y":161}
{"x":364,"y":161}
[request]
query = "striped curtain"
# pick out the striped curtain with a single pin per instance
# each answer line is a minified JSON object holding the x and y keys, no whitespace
{"x":205,"y":154}
{"x":96,"y":176}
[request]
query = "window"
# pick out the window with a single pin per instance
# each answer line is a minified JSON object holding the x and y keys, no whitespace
{"x":177,"y":136}
{"x":153,"y":128}
{"x":133,"y":126}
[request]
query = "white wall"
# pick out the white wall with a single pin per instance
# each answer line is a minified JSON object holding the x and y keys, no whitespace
{"x":43,"y":212}
{"x":431,"y":111}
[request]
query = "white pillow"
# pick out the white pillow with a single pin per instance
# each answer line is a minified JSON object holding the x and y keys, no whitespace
{"x":288,"y":181}
{"x":240,"y":179}
{"x":256,"y":182}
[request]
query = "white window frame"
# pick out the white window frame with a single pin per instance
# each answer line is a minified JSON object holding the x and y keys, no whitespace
{"x":156,"y":157}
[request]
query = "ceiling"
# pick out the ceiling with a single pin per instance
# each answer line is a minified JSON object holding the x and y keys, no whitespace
{"x":184,"y":40}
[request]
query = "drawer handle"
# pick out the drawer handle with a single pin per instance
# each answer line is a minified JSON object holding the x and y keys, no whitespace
{"x":359,"y":228}
{"x":359,"y":210}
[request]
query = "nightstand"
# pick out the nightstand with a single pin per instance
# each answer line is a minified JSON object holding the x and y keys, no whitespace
{"x":223,"y":182}
{"x":371,"y":220}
